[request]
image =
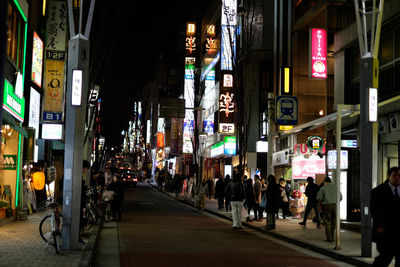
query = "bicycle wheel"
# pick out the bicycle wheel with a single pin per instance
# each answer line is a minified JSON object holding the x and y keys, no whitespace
{"x":57,"y":241}
{"x":45,"y":228}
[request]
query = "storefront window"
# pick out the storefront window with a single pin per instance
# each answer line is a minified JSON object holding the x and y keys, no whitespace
{"x":15,"y":36}
{"x":386,"y":49}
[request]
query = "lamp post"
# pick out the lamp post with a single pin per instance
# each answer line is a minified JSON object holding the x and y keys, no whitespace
{"x":369,"y":77}
{"x":75,"y":116}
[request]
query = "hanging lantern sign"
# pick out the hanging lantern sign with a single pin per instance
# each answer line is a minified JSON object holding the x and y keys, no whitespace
{"x":38,"y":180}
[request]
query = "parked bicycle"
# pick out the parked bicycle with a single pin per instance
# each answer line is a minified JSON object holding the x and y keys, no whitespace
{"x":107,"y":211}
{"x":90,"y":214}
{"x":51,"y":226}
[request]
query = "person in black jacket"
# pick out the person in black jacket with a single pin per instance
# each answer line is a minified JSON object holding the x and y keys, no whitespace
{"x":116,"y":203}
{"x":227,"y":181}
{"x":235,"y":190}
{"x":312,"y":203}
{"x":273,"y":194}
{"x":250,"y":197}
{"x":385,"y":211}
{"x":220,"y":192}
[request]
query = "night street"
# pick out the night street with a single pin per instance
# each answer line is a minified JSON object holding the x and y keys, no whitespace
{"x":158,"y":231}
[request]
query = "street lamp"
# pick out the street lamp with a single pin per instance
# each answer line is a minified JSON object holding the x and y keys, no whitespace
{"x":369,"y":74}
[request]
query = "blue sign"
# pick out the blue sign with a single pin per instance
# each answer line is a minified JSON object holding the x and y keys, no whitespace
{"x":52,"y":116}
{"x":286,"y":110}
{"x":208,"y":127}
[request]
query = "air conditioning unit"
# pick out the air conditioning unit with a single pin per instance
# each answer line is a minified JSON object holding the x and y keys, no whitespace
{"x":394,"y":122}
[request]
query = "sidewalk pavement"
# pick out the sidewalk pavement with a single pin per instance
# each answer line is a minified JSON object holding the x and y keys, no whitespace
{"x":308,"y":237}
{"x":22,"y":245}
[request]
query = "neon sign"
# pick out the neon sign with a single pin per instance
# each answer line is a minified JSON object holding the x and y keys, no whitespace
{"x":318,"y":54}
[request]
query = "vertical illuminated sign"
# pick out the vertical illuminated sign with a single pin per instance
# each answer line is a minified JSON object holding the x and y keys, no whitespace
{"x":228,"y":33}
{"x":373,"y":105}
{"x":34,"y":111}
{"x":318,"y":67}
{"x":37,"y":60}
{"x":53,"y":75}
{"x":190,"y":63}
{"x":76,"y":88}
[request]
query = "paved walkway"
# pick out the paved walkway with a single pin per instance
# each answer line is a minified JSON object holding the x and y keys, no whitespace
{"x":22,"y":245}
{"x":308,"y":237}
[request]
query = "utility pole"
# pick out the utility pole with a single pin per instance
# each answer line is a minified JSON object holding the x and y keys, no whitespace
{"x":3,"y":47}
{"x":75,"y":117}
{"x":369,"y":80}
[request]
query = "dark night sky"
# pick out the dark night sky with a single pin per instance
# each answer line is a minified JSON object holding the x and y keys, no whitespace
{"x":126,"y":40}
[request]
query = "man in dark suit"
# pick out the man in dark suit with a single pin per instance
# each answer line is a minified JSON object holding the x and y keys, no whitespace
{"x":385,"y":211}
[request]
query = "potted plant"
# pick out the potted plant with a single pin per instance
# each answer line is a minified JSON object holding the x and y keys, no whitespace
{"x":4,"y":206}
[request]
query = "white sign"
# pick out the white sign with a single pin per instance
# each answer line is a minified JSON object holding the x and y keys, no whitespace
{"x":349,"y":143}
{"x":34,"y":111}
{"x":281,"y":157}
{"x":261,"y":146}
{"x":52,"y":131}
{"x":76,"y":88}
{"x":229,"y":12}
{"x":373,"y":105}
{"x":344,"y":159}
{"x":226,"y":128}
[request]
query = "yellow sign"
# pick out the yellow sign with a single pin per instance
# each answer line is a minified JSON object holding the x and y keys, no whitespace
{"x":285,"y":127}
{"x":190,"y":29}
{"x":54,"y":86}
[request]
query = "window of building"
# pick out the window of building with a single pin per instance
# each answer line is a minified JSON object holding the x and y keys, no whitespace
{"x":15,"y":36}
{"x":386,"y":49}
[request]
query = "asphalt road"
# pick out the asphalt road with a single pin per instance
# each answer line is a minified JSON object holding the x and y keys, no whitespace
{"x":156,"y":230}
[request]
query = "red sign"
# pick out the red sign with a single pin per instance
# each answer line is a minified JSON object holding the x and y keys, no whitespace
{"x":318,"y":54}
{"x":160,"y":139}
{"x":188,"y":159}
{"x":302,"y":168}
{"x":209,"y":164}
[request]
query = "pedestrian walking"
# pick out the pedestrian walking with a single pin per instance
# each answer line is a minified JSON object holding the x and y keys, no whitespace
{"x":177,"y":184}
{"x":116,"y":203}
{"x":273,"y":198}
{"x":235,"y":190}
{"x":327,"y":195}
{"x":312,"y":203}
{"x":227,"y":181}
{"x":284,"y":200}
{"x":385,"y":211}
{"x":257,"y":196}
{"x":250,"y":197}
{"x":220,"y":192}
{"x":210,"y":186}
{"x":201,"y":194}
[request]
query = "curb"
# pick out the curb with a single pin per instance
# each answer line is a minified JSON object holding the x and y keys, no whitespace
{"x":88,"y":254}
{"x":296,"y":242}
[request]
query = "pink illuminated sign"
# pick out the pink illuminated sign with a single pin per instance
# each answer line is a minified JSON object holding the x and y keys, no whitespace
{"x":318,"y":53}
{"x":302,"y":168}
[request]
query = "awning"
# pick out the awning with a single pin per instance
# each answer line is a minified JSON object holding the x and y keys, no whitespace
{"x":349,"y":117}
{"x":8,"y":119}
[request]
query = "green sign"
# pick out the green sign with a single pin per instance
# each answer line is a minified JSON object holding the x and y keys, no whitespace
{"x":8,"y":162}
{"x":12,"y":103}
{"x":315,"y":142}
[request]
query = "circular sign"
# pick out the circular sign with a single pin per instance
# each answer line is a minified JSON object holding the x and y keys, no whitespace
{"x":315,"y":142}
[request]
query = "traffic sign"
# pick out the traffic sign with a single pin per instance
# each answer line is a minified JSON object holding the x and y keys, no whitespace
{"x":286,"y":110}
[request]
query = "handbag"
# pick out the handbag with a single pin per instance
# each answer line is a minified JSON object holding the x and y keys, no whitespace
{"x":263,"y":203}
